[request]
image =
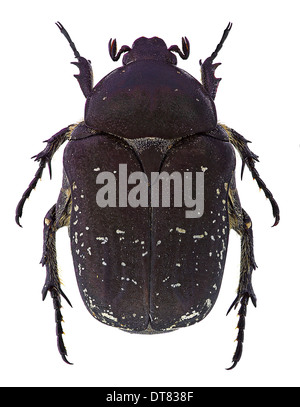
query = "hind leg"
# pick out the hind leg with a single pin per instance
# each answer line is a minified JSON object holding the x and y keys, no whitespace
{"x":58,"y":216}
{"x":240,"y":221}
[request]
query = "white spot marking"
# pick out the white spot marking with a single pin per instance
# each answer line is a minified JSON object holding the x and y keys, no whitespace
{"x":104,"y":314}
{"x":192,"y":315}
{"x":102,"y":239}
{"x":208,"y":303}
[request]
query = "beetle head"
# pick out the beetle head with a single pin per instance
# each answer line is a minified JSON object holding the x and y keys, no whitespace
{"x":149,"y":48}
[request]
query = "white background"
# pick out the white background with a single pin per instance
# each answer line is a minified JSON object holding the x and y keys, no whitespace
{"x":258,"y":96}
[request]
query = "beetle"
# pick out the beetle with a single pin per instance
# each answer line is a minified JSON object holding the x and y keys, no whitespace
{"x":141,"y":268}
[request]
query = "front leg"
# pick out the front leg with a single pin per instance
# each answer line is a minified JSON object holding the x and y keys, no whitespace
{"x":85,"y":77}
{"x":209,"y":81}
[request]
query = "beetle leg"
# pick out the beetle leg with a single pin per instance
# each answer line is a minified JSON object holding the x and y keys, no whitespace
{"x":85,"y":76}
{"x":52,"y":283}
{"x":249,"y":158}
{"x":209,"y":81}
{"x":241,"y":326}
{"x":240,"y":221}
{"x":44,"y":157}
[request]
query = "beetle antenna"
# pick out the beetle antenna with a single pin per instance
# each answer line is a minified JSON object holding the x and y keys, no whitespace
{"x":185,"y":48}
{"x":220,"y":45}
{"x":65,"y":33}
{"x":112,"y":49}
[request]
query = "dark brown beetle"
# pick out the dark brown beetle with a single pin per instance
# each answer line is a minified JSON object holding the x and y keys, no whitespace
{"x":145,"y":268}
